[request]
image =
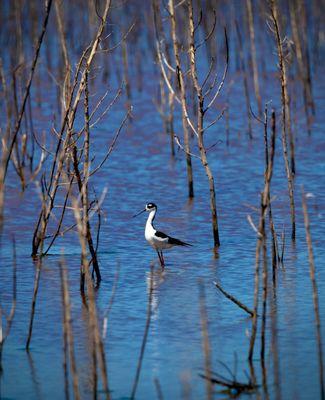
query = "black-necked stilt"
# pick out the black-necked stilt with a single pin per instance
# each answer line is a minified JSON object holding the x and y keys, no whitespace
{"x":158,"y":240}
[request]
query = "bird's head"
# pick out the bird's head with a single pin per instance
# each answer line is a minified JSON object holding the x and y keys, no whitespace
{"x":150,"y":207}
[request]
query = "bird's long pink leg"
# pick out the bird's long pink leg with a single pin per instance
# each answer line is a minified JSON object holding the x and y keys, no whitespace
{"x":162,"y":258}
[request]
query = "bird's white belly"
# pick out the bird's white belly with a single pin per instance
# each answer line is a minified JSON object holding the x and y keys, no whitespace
{"x":159,"y":243}
{"x":156,"y":242}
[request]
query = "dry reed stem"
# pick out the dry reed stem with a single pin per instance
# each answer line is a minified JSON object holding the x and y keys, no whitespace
{"x":233,"y":299}
{"x":83,"y":185}
{"x":145,"y":336}
{"x":6,"y":158}
{"x":38,"y":271}
{"x":256,"y":283}
{"x":67,"y":328}
{"x":264,"y":299}
{"x":265,"y":198}
{"x":286,"y":129}
{"x":93,"y":321}
{"x":269,"y":160}
{"x":275,"y":247}
{"x":60,"y":222}
{"x":315,"y":296}
{"x":300,"y":59}
{"x":200,"y":112}
{"x":57,"y":165}
{"x":253,"y":54}
{"x":68,"y":120}
{"x":182,"y":89}
{"x":283,"y":238}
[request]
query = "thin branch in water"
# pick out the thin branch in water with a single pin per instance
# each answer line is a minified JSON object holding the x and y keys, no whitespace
{"x":145,"y":336}
{"x":315,"y":296}
{"x":176,"y":138}
{"x":111,"y":301}
{"x":249,"y":219}
{"x":215,"y":120}
{"x":239,"y":387}
{"x":224,"y":74}
{"x":233,"y":299}
{"x":111,"y":148}
{"x":32,"y":313}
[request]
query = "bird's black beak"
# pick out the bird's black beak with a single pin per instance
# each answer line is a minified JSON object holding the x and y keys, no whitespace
{"x":139,"y":213}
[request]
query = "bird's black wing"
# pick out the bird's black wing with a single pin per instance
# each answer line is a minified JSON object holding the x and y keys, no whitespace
{"x":161,"y":235}
{"x":171,"y":240}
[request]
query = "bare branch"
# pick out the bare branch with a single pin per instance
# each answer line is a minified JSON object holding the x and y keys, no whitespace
{"x":215,"y":120}
{"x":224,"y":74}
{"x":249,"y":219}
{"x":183,"y":148}
{"x":209,"y":33}
{"x":111,"y":148}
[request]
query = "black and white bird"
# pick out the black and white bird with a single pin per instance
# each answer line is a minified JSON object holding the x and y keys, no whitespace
{"x":158,"y":240}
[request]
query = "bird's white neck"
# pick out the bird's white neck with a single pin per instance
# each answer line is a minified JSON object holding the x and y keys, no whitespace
{"x":151,"y":217}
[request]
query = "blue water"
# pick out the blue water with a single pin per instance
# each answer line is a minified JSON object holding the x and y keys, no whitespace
{"x":140,"y":170}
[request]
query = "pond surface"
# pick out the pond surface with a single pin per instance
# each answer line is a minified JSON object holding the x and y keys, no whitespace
{"x":141,"y":170}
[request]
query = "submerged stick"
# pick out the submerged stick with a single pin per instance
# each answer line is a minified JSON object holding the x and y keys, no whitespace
{"x":275,"y":347}
{"x":201,"y":110}
{"x":206,"y":343}
{"x":315,"y":296}
{"x":261,"y":238}
{"x":36,"y":286}
{"x":275,"y":246}
{"x":5,"y":333}
{"x":182,"y":88}
{"x":67,"y":328}
{"x":239,"y":387}
{"x":233,"y":299}
{"x":145,"y":336}
{"x":158,"y":388}
{"x":264,"y":301}
{"x":97,"y":339}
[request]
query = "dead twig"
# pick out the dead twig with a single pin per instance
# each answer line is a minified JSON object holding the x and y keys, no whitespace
{"x":233,"y":299}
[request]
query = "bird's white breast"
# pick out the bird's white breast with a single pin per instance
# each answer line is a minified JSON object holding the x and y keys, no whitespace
{"x":153,"y":240}
{"x":149,"y":233}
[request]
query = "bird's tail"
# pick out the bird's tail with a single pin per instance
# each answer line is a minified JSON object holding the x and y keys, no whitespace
{"x":178,"y":242}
